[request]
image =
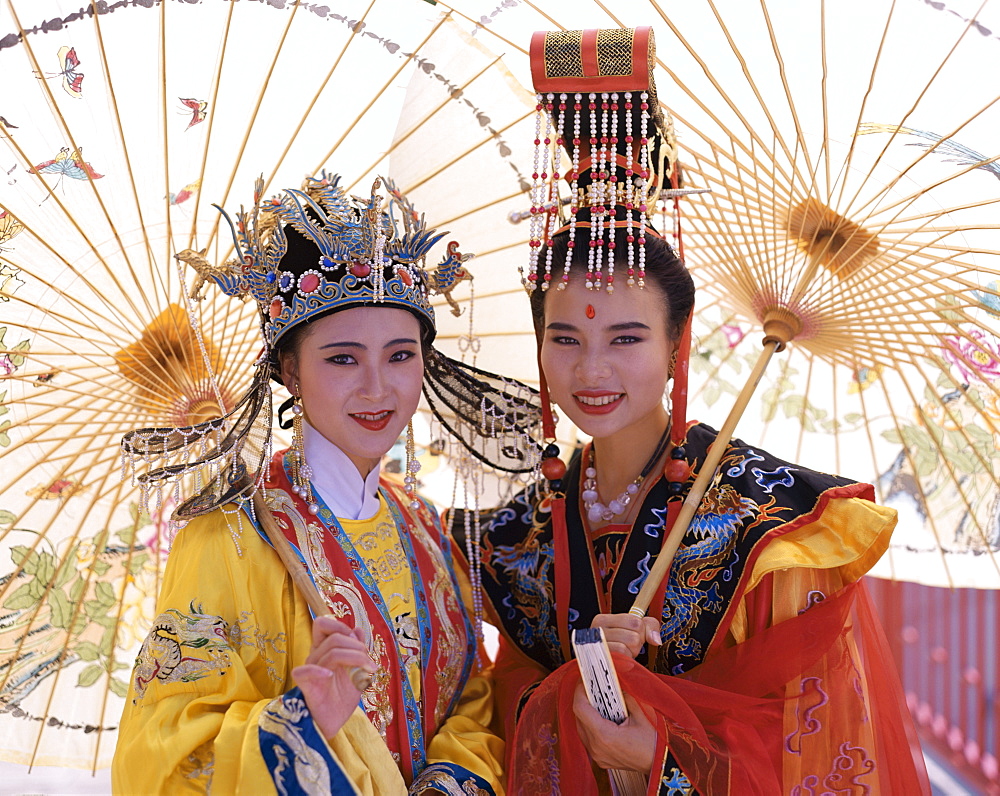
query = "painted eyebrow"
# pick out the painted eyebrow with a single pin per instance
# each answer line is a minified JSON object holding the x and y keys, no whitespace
{"x":352,"y":344}
{"x":558,"y":326}
{"x":624,"y":327}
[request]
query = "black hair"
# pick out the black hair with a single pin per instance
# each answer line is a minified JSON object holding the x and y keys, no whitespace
{"x":664,"y":269}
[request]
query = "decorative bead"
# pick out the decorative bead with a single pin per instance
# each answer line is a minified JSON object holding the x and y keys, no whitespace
{"x":360,"y":270}
{"x":314,"y":509}
{"x":553,"y":468}
{"x":677,"y":470}
{"x":675,"y":487}
{"x":556,"y":485}
{"x":590,"y":496}
{"x":415,"y":504}
{"x":550,"y":450}
{"x":678,"y":453}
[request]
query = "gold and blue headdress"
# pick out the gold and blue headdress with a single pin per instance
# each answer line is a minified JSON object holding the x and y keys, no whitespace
{"x":307,"y":253}
{"x":318,"y":250}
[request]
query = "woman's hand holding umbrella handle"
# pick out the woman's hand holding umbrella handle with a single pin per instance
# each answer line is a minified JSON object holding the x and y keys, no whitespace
{"x":328,"y":676}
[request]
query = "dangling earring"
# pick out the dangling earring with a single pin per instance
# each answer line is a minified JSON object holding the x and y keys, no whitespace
{"x":412,"y":468}
{"x":301,"y":472}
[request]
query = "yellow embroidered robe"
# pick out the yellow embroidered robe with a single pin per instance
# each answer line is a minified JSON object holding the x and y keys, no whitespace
{"x":213,"y":705}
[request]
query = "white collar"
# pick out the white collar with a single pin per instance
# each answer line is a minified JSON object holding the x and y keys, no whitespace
{"x":337,"y":480}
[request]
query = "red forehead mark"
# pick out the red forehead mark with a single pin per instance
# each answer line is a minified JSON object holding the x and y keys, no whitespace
{"x":591,"y":312}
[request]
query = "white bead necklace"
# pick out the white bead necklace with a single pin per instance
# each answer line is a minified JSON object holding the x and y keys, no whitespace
{"x":597,"y":511}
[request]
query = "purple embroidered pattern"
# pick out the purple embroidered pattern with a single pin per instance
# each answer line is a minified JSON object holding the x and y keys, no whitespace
{"x":812,"y":698}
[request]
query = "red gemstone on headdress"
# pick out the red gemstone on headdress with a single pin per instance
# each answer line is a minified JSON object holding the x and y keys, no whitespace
{"x":532,"y":277}
{"x":308,"y":283}
{"x":405,"y":276}
{"x":276,"y":307}
{"x":360,"y":270}
{"x":628,"y":139}
{"x":628,"y":106}
{"x":630,"y":239}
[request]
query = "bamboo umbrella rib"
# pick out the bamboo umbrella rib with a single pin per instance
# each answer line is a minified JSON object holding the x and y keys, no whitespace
{"x":466,"y":153}
{"x":373,"y":100}
{"x":47,"y":91}
{"x":730,"y":353}
{"x":480,"y":208}
{"x":433,"y":111}
{"x":168,"y":216}
{"x":76,"y":611}
{"x":50,"y":314}
{"x":806,"y":391}
{"x":947,"y":463}
{"x":835,"y":396}
{"x":128,"y":162}
{"x":518,"y":244}
{"x":214,"y":95}
{"x":786,"y":364}
{"x":237,"y":160}
{"x":800,"y":140}
{"x":865,"y":97}
{"x":724,"y":95}
{"x":987,"y":466}
{"x":117,"y":625}
{"x":70,"y":268}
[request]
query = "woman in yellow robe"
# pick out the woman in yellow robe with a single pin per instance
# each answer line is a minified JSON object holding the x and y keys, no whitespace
{"x":238,"y":688}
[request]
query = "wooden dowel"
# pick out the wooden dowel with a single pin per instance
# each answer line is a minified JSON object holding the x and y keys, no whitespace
{"x":300,"y":577}
{"x":666,"y":557}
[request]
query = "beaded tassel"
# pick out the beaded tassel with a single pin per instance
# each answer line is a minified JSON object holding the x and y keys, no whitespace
{"x":412,"y":468}
{"x":301,"y":471}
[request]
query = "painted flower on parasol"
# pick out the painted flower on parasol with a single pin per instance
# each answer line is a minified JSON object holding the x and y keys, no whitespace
{"x":974,"y":354}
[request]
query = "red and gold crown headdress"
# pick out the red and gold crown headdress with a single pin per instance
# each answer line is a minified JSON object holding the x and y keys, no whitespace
{"x":597,"y":100}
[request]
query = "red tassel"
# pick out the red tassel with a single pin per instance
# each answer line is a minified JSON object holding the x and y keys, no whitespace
{"x":560,"y":541}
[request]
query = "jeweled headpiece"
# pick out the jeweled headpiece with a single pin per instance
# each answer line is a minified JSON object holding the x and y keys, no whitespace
{"x":304,"y":254}
{"x":364,"y":255}
{"x":596,"y":99}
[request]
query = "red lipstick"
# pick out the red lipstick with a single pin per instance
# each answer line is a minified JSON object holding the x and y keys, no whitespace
{"x":586,"y":400}
{"x":373,"y":421}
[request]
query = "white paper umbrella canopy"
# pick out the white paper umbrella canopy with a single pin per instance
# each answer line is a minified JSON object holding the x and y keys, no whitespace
{"x":850,"y":153}
{"x":122,"y":124}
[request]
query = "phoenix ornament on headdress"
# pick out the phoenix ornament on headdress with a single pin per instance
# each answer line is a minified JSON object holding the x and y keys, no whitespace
{"x":367,"y":255}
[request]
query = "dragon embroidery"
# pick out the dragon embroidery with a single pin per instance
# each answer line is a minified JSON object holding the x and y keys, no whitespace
{"x":182,"y":648}
{"x":714,"y":528}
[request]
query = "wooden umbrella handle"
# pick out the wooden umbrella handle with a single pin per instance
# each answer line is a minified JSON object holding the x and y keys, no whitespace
{"x":715,"y":451}
{"x":362,"y":679}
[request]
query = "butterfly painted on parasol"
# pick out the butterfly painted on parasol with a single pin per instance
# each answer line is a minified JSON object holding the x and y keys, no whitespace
{"x":72,"y":78}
